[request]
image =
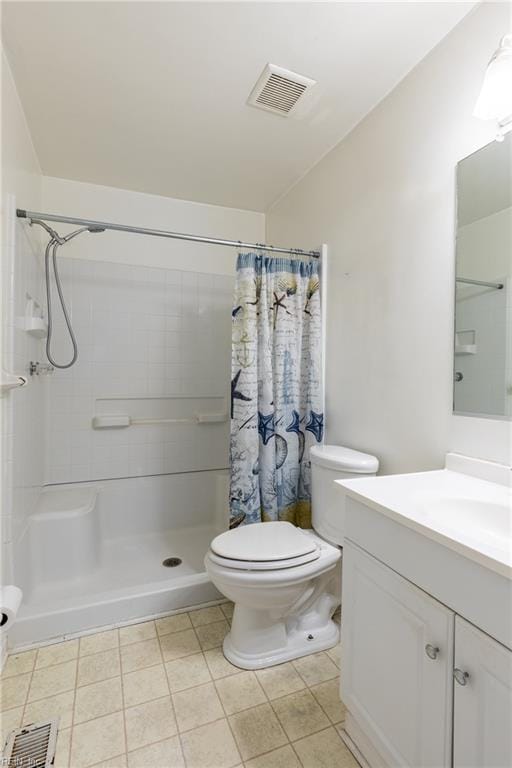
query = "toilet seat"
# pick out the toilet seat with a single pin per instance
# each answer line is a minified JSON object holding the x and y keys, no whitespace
{"x":264,"y":546}
{"x":264,"y":565}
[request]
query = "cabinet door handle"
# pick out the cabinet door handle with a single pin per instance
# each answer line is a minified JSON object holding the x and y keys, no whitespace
{"x":460,"y":676}
{"x":432,"y":651}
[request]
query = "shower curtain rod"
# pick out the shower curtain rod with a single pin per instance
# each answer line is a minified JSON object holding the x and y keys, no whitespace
{"x":102,"y":225}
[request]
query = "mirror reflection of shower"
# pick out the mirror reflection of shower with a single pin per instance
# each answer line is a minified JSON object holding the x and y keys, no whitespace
{"x":483,"y":316}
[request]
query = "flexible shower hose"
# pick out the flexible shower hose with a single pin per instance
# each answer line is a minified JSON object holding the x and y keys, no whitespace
{"x":53,"y":246}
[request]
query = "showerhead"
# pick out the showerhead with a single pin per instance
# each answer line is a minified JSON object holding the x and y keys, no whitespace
{"x":90,"y":228}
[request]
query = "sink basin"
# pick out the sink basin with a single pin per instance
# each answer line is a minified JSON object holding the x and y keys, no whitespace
{"x":469,"y":515}
{"x":476,"y":520}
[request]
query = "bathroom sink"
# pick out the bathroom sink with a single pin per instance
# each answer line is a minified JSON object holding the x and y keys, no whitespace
{"x":467,"y":514}
{"x":478,"y":520}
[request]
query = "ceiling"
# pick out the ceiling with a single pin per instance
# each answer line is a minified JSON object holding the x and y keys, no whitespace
{"x":151,"y":96}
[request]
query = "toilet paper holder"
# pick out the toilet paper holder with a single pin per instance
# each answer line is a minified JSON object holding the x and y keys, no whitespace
{"x":10,"y":601}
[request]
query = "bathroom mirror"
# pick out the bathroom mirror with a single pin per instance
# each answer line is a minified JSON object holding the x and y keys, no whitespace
{"x":483,"y":303}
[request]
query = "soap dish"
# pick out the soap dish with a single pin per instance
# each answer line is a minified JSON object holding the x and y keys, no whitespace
{"x":35,"y":324}
{"x":37,"y":327}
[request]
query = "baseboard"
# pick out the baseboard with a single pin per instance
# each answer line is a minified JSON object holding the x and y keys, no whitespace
{"x":360,"y":745}
{"x":114,"y":625}
{"x":3,"y":649}
{"x":356,"y":753}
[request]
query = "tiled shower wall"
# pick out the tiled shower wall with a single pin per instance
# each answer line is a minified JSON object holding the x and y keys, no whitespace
{"x":22,"y":408}
{"x":153,"y":343}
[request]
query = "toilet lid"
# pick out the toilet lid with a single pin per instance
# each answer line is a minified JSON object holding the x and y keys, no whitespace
{"x":264,"y":543}
{"x":344,"y":459}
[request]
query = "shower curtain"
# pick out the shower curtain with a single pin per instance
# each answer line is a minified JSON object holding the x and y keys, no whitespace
{"x":276,"y":392}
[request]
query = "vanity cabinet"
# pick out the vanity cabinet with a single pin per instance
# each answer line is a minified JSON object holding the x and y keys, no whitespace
{"x":403,"y":653}
{"x":482,"y":700}
{"x":397,"y":661}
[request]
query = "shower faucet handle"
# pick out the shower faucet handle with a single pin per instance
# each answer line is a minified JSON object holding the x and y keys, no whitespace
{"x":40,"y":369}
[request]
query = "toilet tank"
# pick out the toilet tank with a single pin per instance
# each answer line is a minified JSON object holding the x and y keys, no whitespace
{"x":330,"y":463}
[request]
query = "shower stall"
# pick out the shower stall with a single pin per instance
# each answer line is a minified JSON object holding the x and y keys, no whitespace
{"x":154,"y":349}
{"x":136,"y":438}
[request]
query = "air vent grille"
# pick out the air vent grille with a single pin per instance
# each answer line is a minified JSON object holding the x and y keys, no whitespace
{"x":278,"y":90}
{"x":281,"y":93}
{"x":32,"y":746}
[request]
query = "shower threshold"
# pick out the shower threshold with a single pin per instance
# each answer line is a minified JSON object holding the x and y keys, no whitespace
{"x":129,"y":583}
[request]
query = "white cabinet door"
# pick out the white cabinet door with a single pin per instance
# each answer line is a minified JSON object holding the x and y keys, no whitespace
{"x":483,"y":703}
{"x":399,"y":696}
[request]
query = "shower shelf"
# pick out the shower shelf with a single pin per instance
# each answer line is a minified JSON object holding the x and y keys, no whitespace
{"x":34,"y":322}
{"x":465,"y":349}
{"x":37,"y":327}
{"x":465,"y":342}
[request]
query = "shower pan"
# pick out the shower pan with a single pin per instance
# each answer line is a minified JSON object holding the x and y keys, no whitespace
{"x":96,"y":554}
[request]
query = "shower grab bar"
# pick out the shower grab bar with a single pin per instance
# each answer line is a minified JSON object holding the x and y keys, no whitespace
{"x":122,"y":420}
{"x":162,"y":421}
{"x":160,"y":397}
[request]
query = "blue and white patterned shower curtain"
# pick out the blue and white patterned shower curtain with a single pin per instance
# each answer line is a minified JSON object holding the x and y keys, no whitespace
{"x":276,"y":392}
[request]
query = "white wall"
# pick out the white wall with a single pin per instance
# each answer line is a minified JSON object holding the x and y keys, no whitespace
{"x":21,"y":410}
{"x":383,"y":200}
{"x":91,"y":201}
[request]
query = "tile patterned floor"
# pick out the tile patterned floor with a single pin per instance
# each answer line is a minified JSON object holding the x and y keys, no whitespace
{"x":161,"y":695}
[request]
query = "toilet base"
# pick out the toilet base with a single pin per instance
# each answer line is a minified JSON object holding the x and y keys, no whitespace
{"x":297,"y":645}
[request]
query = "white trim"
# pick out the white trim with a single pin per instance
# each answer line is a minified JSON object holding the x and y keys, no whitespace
{"x":324,"y":274}
{"x":116,"y":625}
{"x":3,"y":650}
{"x":353,"y":735}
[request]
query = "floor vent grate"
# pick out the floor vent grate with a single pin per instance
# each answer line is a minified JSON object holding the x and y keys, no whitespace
{"x":32,"y":746}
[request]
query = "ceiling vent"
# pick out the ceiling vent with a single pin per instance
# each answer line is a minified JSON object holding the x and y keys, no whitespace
{"x":279,"y":91}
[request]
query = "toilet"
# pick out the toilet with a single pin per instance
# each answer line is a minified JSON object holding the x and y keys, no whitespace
{"x":285,"y":582}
